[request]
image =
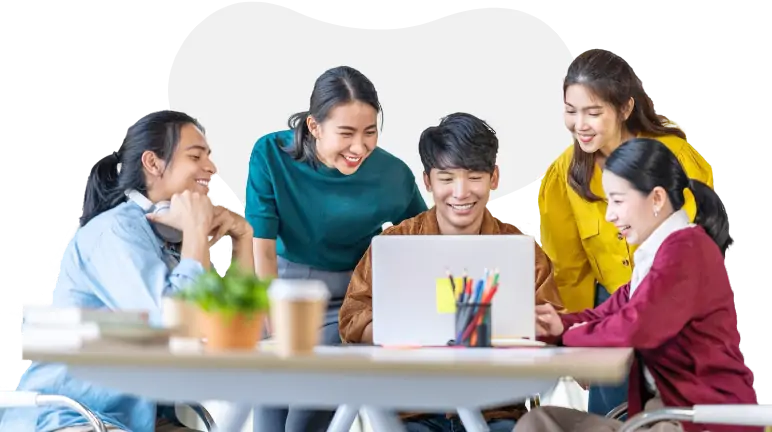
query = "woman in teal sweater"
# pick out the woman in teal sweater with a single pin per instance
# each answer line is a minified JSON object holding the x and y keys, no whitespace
{"x":316,"y":196}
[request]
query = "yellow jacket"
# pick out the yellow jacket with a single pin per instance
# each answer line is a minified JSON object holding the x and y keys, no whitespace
{"x":583,"y":246}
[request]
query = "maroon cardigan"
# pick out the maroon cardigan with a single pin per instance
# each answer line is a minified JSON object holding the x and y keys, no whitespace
{"x":681,"y":323}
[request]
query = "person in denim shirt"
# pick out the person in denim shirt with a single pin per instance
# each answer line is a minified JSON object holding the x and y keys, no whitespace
{"x":120,"y":258}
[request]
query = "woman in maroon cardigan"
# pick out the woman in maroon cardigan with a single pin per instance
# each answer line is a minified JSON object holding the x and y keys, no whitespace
{"x":677,"y":312}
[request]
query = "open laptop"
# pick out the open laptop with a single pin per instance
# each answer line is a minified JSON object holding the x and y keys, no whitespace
{"x":404,"y":280}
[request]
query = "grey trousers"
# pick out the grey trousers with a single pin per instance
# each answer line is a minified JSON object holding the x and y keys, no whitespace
{"x":290,"y":419}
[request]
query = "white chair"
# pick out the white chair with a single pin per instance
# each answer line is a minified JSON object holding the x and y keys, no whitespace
{"x":26,"y":399}
{"x":618,"y":412}
{"x":735,"y":415}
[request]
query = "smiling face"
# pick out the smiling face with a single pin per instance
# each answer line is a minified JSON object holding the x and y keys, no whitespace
{"x":460,"y":196}
{"x":346,"y":137}
{"x":636,"y":215}
{"x":595,"y":124}
{"x":190,"y":167}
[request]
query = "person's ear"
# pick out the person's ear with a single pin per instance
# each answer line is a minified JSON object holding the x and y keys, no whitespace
{"x":313,"y":127}
{"x":152,"y":164}
{"x":427,"y":182}
{"x":495,"y":178}
{"x":628,"y":109}
{"x":658,"y":199}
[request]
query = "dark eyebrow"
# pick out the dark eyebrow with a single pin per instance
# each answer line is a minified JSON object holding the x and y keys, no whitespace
{"x":200,"y":147}
{"x":585,"y":108}
{"x":353,"y":129}
{"x":615,"y":194}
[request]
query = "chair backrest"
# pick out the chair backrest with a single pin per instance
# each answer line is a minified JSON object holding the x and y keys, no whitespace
{"x":11,"y":399}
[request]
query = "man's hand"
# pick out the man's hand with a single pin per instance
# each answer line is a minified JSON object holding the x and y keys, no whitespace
{"x":548,"y":322}
{"x":225,"y":222}
{"x":188,"y":212}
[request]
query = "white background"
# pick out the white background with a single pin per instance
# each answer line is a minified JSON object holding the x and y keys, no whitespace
{"x":245,"y":68}
{"x":422,"y":73}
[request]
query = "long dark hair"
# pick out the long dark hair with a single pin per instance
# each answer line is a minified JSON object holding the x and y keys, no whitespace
{"x":610,"y":78}
{"x":336,"y":86}
{"x":647,"y":163}
{"x":159,"y":133}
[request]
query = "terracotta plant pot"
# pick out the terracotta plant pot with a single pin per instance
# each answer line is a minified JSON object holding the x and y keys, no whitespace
{"x":226,"y":332}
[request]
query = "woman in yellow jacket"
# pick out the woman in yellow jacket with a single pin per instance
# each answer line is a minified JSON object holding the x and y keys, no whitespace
{"x":605,"y":105}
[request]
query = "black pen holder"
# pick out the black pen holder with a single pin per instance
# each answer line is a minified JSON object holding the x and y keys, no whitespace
{"x":473,"y":325}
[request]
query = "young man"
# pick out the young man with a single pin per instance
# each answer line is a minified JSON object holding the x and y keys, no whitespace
{"x":459,"y":158}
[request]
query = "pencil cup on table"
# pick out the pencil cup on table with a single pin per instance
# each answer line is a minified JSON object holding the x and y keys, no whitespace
{"x":473,"y":325}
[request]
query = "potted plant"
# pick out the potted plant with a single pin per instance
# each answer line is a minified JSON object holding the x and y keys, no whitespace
{"x":231,"y":309}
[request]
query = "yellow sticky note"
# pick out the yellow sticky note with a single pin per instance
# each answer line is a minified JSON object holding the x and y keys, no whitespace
{"x":446,"y":299}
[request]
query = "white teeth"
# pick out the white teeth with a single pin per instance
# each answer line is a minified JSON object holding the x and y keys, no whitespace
{"x":202,"y":182}
{"x":353,"y":159}
{"x":462,"y":207}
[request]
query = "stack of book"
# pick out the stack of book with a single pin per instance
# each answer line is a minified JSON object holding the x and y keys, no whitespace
{"x":48,"y":327}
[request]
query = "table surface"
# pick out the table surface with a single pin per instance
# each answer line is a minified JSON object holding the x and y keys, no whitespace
{"x":595,"y":364}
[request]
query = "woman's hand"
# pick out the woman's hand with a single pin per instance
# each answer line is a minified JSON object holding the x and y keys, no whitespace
{"x":577,"y":325}
{"x":548,"y":322}
{"x":225,"y":222}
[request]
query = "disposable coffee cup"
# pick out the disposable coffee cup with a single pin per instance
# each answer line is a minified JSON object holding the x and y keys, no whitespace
{"x":297,"y":313}
{"x":180,"y":317}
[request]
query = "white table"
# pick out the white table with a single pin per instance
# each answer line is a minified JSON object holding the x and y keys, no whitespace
{"x":379,"y":381}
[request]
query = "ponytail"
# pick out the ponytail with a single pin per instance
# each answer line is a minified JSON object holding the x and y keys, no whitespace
{"x":711,"y":214}
{"x":303,"y":146}
{"x":101,"y":188}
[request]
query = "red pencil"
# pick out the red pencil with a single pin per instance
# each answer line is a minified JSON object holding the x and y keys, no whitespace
{"x":478,"y":316}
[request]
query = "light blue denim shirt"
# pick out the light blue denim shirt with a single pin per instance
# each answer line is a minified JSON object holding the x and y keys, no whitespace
{"x":116,"y":261}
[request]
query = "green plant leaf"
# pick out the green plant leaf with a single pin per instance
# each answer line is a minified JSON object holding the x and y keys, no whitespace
{"x":237,"y":292}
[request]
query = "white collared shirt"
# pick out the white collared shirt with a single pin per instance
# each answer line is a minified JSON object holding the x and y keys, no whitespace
{"x":644,"y":258}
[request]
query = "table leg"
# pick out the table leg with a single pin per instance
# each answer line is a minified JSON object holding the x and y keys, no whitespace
{"x":344,"y":418}
{"x":234,"y":418}
{"x":473,"y":420}
{"x":383,"y":420}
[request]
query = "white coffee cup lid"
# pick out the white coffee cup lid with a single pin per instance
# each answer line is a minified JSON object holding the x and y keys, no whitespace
{"x":298,"y":289}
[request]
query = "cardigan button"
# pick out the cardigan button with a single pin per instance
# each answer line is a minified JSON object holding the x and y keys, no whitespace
{"x":619,"y":236}
{"x":626,"y":263}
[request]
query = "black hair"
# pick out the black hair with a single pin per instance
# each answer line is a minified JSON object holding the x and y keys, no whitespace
{"x":647,"y":163}
{"x":610,"y":78}
{"x":461,"y":140}
{"x":158,"y":132}
{"x":336,"y":86}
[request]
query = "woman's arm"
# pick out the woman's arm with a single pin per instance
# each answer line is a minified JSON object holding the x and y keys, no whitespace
{"x":262,"y":214}
{"x":616,"y":302}
{"x":264,"y":251}
{"x":561,"y":242}
{"x":665,"y":301}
